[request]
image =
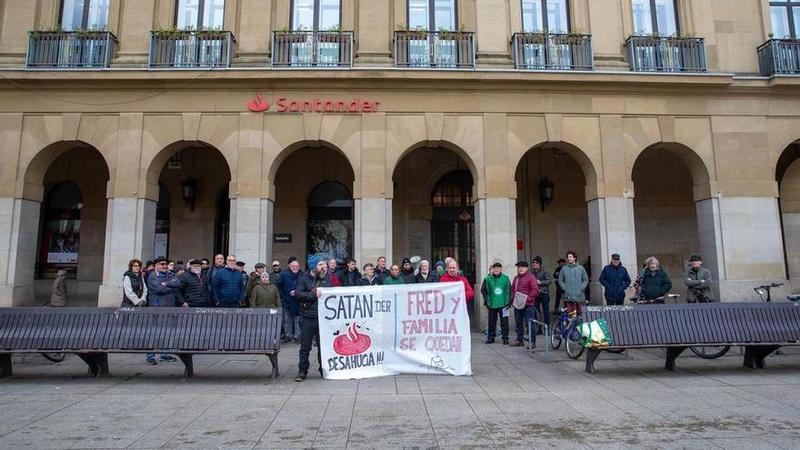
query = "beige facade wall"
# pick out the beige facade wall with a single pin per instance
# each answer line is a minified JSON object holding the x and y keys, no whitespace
{"x":710,"y":141}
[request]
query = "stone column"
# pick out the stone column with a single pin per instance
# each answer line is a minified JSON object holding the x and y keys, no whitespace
{"x":751,"y":247}
{"x":130,"y":233}
{"x":251,"y":229}
{"x":19,"y":220}
{"x":710,"y":238}
{"x":372,"y":230}
{"x":496,"y":236}
{"x":611,"y":230}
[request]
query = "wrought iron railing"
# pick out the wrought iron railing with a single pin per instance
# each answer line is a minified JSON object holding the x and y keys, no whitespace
{"x":546,"y":51}
{"x":434,"y":49}
{"x":191,"y":49}
{"x":70,"y":49}
{"x":779,"y":57}
{"x":666,"y":54}
{"x":312,"y":49}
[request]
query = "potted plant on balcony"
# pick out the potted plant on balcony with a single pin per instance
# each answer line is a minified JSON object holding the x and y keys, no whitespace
{"x":211,"y":34}
{"x":172,"y":32}
{"x":418,"y":33}
{"x":297,"y":36}
{"x":332,"y":35}
{"x":452,"y":35}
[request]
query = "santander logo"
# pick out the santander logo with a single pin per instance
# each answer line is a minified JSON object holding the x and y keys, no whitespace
{"x":258,"y":104}
{"x":352,"y":342}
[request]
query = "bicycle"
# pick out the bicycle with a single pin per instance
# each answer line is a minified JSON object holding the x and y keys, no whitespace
{"x":53,"y":357}
{"x":764,"y":291}
{"x":565,"y":328}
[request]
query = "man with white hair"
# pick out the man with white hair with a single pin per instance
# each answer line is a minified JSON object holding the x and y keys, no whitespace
{"x":425,"y":274}
{"x":655,"y":282}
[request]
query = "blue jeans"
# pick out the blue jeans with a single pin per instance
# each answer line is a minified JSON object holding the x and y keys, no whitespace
{"x":521,"y":317}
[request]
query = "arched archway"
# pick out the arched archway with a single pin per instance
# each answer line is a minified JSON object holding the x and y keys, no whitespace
{"x":189,"y":223}
{"x":673,"y":210}
{"x":787,"y":175}
{"x":70,"y":179}
{"x":313,"y":203}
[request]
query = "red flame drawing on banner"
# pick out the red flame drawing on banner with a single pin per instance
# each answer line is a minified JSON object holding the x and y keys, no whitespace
{"x":352,"y":342}
{"x":258,"y":104}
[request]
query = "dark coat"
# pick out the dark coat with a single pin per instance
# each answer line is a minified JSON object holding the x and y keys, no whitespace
{"x":137,"y":285}
{"x":655,"y":284}
{"x":228,"y":286}
{"x":615,"y":280}
{"x":286,"y":283}
{"x":348,"y":278}
{"x":408,"y":277}
{"x":163,"y":289}
{"x":375,"y":281}
{"x":194,"y":289}
{"x":432,"y":278}
{"x":306,"y":294}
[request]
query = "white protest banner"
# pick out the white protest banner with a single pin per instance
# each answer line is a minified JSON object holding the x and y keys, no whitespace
{"x":372,"y":331}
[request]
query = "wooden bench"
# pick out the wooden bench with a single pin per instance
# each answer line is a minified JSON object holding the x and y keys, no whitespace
{"x":93,"y":333}
{"x":761,"y":328}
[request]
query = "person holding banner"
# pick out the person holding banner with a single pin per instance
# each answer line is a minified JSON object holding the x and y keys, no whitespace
{"x":454,"y":274}
{"x":524,"y":290}
{"x":496,"y":291}
{"x":307,"y":294}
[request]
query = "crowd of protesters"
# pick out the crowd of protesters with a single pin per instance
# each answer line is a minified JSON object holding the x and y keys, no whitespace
{"x":226,"y":284}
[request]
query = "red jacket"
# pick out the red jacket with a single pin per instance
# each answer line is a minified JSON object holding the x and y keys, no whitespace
{"x":527,"y":284}
{"x":468,"y":292}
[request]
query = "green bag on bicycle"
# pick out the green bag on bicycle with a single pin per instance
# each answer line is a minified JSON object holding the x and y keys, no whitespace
{"x":595,"y":334}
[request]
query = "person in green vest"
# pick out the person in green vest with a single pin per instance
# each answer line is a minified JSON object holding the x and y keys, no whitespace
{"x":394,"y":276}
{"x":496,"y":291}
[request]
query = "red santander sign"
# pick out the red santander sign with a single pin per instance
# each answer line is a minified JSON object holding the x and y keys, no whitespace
{"x":321,"y":105}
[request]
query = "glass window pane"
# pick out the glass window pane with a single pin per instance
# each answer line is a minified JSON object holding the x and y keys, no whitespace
{"x":642,"y":20}
{"x":98,"y":15}
{"x":532,"y":16}
{"x":187,"y":13}
{"x":557,"y":21}
{"x":303,"y":15}
{"x":213,"y":13}
{"x":328,"y":14}
{"x":72,"y":14}
{"x":796,"y":19}
{"x":780,"y":22}
{"x":445,"y":14}
{"x":418,"y":14}
{"x":666,"y":18}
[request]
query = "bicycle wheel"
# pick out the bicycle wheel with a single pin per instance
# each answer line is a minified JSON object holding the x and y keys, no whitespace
{"x":555,"y":336}
{"x":710,"y":352}
{"x":54,"y":357}
{"x":573,"y":345}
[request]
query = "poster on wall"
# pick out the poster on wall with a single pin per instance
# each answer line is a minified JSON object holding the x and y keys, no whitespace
{"x":63,"y":241}
{"x":373,"y":331}
{"x":160,"y":245}
{"x":332,"y":238}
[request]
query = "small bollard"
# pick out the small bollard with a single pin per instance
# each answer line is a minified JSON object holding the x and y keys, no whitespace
{"x":532,"y":338}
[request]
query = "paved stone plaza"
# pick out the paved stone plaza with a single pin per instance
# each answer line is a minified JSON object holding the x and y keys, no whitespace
{"x":515,"y":399}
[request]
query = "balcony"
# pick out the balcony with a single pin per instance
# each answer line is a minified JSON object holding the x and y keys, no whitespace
{"x":666,"y":54}
{"x":70,"y":49}
{"x":779,"y":57}
{"x":542,"y":51}
{"x":434,"y":49}
{"x":173,"y":49}
{"x":314,"y":49}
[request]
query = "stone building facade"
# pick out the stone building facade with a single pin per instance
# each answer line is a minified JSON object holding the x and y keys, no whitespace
{"x":403,"y":139}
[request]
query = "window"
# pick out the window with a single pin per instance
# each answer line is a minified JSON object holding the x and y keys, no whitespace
{"x":785,"y":17}
{"x":199,"y":14}
{"x":84,"y":14}
{"x":432,"y":15}
{"x":655,"y":17}
{"x":556,"y":19}
{"x":316,"y":14}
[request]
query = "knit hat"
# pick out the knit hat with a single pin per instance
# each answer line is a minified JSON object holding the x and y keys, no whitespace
{"x":313,"y":260}
{"x":406,"y":260}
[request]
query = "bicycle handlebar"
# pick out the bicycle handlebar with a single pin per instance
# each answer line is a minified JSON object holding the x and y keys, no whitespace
{"x":768,"y":286}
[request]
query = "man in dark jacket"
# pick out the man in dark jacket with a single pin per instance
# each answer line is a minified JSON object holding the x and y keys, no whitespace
{"x":380,"y":269}
{"x":655,"y":282}
{"x":227,"y":285}
{"x":349,"y":275}
{"x":287,"y":287}
{"x":194,"y":287}
{"x":698,"y":280}
{"x":307,"y":294}
{"x":254,"y":278}
{"x":163,"y":290}
{"x":425,"y":274}
{"x":369,"y":278}
{"x":407,"y":271}
{"x":615,"y":280}
{"x":219,"y":264}
{"x":543,"y":297}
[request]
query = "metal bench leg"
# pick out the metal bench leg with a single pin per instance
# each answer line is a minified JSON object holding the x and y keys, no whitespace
{"x":591,"y":355}
{"x":5,"y":365}
{"x":188,"y":363}
{"x":672,"y":355}
{"x":90,"y":361}
{"x":102,"y":364}
{"x":273,"y":359}
{"x":754,"y":355}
